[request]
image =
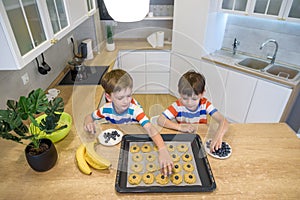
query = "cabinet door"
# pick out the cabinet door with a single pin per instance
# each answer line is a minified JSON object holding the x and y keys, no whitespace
{"x":215,"y":77}
{"x":91,"y":5}
{"x":133,"y":61}
{"x":269,"y":8}
{"x":292,"y":11}
{"x":268,"y":103}
{"x":78,"y":12}
{"x":157,"y":71}
{"x":234,"y":6}
{"x":238,"y":93}
{"x":57,"y":15}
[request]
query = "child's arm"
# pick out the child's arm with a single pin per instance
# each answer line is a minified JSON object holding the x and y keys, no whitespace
{"x":222,"y":128}
{"x":165,"y":122}
{"x":165,"y":159}
{"x":89,"y":125}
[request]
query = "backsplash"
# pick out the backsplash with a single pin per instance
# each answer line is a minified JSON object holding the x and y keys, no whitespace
{"x":252,"y":32}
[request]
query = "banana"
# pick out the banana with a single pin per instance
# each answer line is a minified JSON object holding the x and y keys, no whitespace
{"x":94,"y":159}
{"x":82,"y":164}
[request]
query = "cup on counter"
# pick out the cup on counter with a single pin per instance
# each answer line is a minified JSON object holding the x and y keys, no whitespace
{"x":53,"y":92}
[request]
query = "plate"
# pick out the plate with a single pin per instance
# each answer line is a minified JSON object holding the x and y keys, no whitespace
{"x":225,"y":147}
{"x":110,"y":137}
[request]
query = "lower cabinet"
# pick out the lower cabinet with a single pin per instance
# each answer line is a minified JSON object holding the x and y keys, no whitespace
{"x":268,"y":102}
{"x":150,"y":70}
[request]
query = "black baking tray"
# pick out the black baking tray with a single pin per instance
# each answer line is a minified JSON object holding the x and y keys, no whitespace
{"x":203,"y":167}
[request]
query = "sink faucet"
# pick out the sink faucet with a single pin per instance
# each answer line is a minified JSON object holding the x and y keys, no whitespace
{"x":234,"y":45}
{"x":272,"y":58}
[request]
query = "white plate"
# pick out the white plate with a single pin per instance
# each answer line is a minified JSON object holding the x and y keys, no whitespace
{"x":110,"y":141}
{"x":216,"y":156}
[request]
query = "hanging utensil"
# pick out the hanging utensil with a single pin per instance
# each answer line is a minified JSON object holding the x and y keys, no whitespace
{"x":40,"y":68}
{"x":44,"y":64}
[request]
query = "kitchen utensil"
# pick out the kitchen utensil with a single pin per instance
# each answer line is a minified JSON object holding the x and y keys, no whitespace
{"x":203,"y":168}
{"x":40,"y":68}
{"x":44,"y":64}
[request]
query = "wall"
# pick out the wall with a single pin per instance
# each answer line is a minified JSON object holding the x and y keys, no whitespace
{"x":57,"y":56}
{"x":252,"y":32}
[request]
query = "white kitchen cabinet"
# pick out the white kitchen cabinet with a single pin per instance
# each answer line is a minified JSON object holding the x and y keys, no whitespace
{"x":149,"y":70}
{"x":268,"y":102}
{"x":78,"y":12}
{"x":268,"y":8}
{"x":216,"y":78}
{"x":235,"y":6}
{"x":292,"y":11}
{"x":157,"y":71}
{"x":238,"y":94}
{"x":135,"y":64}
{"x":30,"y":27}
{"x":91,"y":5}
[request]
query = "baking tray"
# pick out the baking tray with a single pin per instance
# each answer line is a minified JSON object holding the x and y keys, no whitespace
{"x":208,"y":183}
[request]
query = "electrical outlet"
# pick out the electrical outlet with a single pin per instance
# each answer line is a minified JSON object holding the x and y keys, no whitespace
{"x":69,"y":39}
{"x":25,"y":78}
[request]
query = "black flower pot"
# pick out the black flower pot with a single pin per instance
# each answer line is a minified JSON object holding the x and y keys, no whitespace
{"x":44,"y":161}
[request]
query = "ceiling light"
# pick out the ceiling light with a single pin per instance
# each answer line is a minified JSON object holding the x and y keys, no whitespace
{"x":127,"y":10}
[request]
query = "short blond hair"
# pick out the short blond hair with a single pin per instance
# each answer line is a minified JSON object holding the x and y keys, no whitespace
{"x":116,"y":80}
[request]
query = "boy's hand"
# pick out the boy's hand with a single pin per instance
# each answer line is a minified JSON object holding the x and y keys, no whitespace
{"x":165,"y":161}
{"x":89,"y":125}
{"x":186,"y":128}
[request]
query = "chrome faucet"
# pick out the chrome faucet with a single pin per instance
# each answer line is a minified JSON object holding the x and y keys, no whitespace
{"x":234,"y":45}
{"x":272,"y":58}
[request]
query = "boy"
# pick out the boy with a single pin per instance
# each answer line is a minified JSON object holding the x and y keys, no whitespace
{"x":193,"y":108}
{"x":121,"y":108}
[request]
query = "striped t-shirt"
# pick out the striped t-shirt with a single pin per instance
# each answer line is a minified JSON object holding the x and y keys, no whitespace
{"x":183,"y":115}
{"x":134,"y":114}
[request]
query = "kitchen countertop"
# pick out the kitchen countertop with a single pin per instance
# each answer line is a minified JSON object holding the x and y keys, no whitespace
{"x":264,"y":164}
{"x":227,"y":59}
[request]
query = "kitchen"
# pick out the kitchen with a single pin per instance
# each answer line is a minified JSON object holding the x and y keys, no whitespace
{"x":57,"y":60}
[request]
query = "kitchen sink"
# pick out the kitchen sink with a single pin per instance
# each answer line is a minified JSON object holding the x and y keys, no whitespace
{"x":283,"y":72}
{"x":253,"y":63}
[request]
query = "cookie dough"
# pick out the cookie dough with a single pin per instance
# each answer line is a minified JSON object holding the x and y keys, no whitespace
{"x":182,"y":148}
{"x":151,"y":167}
{"x":161,"y":179}
{"x":175,"y":157}
{"x":155,"y":148}
{"x":146,"y":148}
{"x":177,"y":167}
{"x":134,"y":179}
{"x":188,"y":167}
{"x":148,"y":178}
{"x":190,"y":178}
{"x":137,"y":157}
{"x":186,"y":157}
{"x":176,"y":179}
{"x":136,"y":167}
{"x":150,"y":157}
{"x":171,"y":147}
{"x":134,"y":148}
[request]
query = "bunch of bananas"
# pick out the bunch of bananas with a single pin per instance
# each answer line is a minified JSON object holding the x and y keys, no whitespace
{"x":86,"y":156}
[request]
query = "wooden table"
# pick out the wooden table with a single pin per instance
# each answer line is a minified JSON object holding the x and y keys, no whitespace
{"x":265,"y":164}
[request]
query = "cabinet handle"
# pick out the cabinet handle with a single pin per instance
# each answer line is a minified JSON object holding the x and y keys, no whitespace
{"x":53,"y":41}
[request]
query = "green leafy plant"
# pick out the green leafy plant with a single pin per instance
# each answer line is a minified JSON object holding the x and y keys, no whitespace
{"x":109,"y":35}
{"x":14,"y":121}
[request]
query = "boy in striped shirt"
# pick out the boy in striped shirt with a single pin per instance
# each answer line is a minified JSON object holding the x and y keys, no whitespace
{"x":121,"y":108}
{"x":192,"y":108}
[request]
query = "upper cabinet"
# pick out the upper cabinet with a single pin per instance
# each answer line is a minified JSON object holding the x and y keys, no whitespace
{"x":29,"y":27}
{"x":235,"y":6}
{"x":276,"y":9}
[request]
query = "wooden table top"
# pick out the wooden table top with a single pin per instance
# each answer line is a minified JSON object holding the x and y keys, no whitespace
{"x":265,"y":164}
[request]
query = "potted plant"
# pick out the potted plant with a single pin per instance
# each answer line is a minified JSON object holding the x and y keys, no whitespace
{"x":110,"y":44}
{"x":19,"y":123}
